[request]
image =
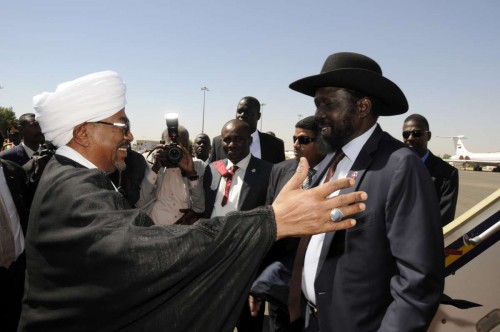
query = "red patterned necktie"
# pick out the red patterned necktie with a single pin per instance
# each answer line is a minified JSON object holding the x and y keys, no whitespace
{"x":295,"y":293}
{"x":229,"y":180}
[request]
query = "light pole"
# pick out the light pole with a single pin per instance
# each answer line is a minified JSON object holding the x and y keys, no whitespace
{"x":204,"y":89}
{"x":261,"y":112}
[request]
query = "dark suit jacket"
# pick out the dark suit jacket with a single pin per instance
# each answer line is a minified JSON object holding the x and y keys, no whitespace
{"x":445,"y":178}
{"x":272,"y":284}
{"x":253,"y":191}
{"x":272,"y":149}
{"x":385,"y":273}
{"x":17,"y":154}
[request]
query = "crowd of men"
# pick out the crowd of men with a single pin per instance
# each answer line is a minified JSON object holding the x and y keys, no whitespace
{"x":120,"y":240}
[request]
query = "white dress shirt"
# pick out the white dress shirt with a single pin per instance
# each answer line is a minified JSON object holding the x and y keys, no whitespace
{"x":234,"y":191}
{"x":313,"y":252}
{"x":255,"y":146}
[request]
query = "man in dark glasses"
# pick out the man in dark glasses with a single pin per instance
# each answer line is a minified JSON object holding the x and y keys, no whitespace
{"x":272,"y":284}
{"x":416,"y":135}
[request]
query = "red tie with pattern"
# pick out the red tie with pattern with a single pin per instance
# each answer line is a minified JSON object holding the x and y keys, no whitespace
{"x":229,"y":180}
{"x":295,"y":293}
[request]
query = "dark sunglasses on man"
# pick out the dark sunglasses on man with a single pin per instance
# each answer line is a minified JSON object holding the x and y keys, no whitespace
{"x":414,"y":133}
{"x":303,"y":140}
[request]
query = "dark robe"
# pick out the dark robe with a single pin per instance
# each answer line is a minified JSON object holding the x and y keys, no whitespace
{"x":94,"y":264}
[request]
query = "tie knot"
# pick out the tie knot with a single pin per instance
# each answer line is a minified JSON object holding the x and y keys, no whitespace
{"x":339,"y":155}
{"x":232,"y":169}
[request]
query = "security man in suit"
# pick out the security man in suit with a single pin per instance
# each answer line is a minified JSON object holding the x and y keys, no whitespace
{"x":416,"y":135}
{"x":237,"y":183}
{"x":386,"y":273}
{"x":264,"y":146}
{"x":32,"y":139}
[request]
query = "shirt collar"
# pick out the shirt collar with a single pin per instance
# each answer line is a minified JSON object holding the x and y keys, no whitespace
{"x":72,"y":154}
{"x":255,"y":136}
{"x":353,"y":148}
{"x":243,"y":164}
{"x":424,"y":157}
{"x":29,"y":151}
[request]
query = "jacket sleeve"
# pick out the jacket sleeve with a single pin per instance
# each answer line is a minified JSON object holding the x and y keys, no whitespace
{"x":449,"y":197}
{"x":415,"y":238}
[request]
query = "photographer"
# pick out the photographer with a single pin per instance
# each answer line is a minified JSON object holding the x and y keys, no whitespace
{"x":177,"y":196}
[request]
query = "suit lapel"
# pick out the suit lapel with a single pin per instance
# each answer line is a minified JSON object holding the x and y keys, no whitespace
{"x":357,"y":171}
{"x":250,"y":178}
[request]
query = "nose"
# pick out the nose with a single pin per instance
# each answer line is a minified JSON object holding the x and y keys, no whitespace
{"x":296,"y":144}
{"x":319,"y":113}
{"x":129,"y":137}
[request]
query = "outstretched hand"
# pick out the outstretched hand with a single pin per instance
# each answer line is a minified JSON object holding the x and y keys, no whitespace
{"x":301,"y":212}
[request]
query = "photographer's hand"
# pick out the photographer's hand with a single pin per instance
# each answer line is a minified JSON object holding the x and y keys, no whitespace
{"x":160,"y":157}
{"x":186,"y":164}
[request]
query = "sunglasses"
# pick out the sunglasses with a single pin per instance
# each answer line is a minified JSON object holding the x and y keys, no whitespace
{"x":303,"y":140}
{"x":125,"y":126}
{"x":414,"y":133}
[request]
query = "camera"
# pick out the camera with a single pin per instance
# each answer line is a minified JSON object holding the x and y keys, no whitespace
{"x":174,"y":154}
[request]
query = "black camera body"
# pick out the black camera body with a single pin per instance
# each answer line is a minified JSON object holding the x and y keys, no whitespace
{"x":174,"y":154}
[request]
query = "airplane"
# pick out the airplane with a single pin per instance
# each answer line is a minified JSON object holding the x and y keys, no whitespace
{"x":477,"y":159}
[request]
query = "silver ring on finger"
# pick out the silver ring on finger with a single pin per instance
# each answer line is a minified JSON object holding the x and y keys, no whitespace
{"x":336,"y":215}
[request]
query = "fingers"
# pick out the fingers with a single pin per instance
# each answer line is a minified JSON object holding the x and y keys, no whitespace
{"x":327,"y":188}
{"x":298,"y":177}
{"x":344,"y":199}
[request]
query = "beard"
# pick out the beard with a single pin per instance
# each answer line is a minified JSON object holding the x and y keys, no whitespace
{"x":120,"y":166}
{"x":340,"y":134}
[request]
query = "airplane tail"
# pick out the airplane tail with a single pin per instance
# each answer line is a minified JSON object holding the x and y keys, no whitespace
{"x":460,"y":149}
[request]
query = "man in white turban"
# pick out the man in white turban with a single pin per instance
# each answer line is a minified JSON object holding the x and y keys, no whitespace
{"x":95,"y":264}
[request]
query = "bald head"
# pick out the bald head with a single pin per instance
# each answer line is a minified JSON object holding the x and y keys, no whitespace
{"x":236,"y":139}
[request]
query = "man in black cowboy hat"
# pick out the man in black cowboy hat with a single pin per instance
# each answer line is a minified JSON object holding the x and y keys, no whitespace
{"x":386,"y":273}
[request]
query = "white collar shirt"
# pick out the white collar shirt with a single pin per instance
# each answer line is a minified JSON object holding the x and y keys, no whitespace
{"x":313,"y":252}
{"x":255,"y":146}
{"x":234,"y":191}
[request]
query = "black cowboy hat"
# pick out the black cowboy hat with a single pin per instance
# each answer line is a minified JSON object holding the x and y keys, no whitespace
{"x":357,"y":72}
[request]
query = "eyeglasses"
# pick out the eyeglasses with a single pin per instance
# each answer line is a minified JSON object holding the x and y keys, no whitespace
{"x":414,"y":133}
{"x":303,"y":140}
{"x":125,"y":126}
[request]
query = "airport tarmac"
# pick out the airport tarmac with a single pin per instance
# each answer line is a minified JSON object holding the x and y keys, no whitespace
{"x":474,"y":187}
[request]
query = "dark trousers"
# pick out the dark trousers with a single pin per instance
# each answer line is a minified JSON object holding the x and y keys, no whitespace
{"x":11,"y":294}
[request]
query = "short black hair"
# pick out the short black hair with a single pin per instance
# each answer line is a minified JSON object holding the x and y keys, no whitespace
{"x":308,"y":123}
{"x":418,"y":118}
{"x":252,"y":101}
{"x":25,"y":119}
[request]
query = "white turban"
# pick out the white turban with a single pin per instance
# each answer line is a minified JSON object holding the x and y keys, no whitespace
{"x":87,"y":99}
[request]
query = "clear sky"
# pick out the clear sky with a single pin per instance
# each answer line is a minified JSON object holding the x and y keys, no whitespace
{"x":443,"y":54}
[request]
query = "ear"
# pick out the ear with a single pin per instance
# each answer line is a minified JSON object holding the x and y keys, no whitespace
{"x":81,"y":135}
{"x":429,"y":134}
{"x":364,"y":107}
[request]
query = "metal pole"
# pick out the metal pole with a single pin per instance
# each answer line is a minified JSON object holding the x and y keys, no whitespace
{"x":261,"y":117}
{"x":204,"y":89}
